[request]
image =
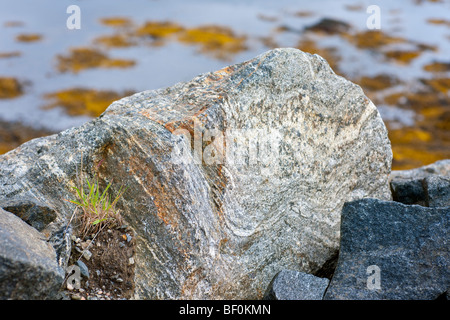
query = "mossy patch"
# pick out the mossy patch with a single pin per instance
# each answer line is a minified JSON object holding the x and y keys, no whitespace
{"x":219,"y":41}
{"x":436,"y":66}
{"x":439,"y":84}
{"x":28,"y":37}
{"x":12,"y":54}
{"x":159,"y":29}
{"x":115,"y":41}
{"x":379,"y":82}
{"x":81,"y":101}
{"x":116,"y":22}
{"x":373,"y":39}
{"x":87,"y":58}
{"x":402,"y":57}
{"x":10,"y":88}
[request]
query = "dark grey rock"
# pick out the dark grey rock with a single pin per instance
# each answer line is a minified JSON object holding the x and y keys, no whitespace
{"x":28,"y":266}
{"x":392,"y":251}
{"x":32,"y":212}
{"x":409,"y":191}
{"x":437,"y":191}
{"x":294,"y":285}
{"x":84,"y":270}
{"x":427,"y":186}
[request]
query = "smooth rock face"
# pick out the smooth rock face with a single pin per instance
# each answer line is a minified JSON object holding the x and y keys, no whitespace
{"x":294,"y":285}
{"x":232,"y":177}
{"x":392,"y":251}
{"x":28,"y":266}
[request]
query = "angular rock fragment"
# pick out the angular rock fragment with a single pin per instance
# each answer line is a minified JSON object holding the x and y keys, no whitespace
{"x":28,"y":267}
{"x":427,"y":186}
{"x":232,"y":176}
{"x":32,"y":212}
{"x":392,"y":251}
{"x":294,"y":285}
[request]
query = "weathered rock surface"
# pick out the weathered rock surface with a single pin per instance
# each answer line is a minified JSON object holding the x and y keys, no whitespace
{"x":392,"y":251}
{"x":427,"y":186}
{"x":294,"y":285}
{"x":232,"y":177}
{"x":28,"y":266}
{"x":32,"y":212}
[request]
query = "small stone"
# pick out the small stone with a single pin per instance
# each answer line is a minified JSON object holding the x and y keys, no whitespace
{"x":87,"y":255}
{"x":85,"y":244}
{"x":76,"y":297}
{"x":83,"y":269}
{"x":121,"y":244}
{"x":69,"y":286}
{"x":131,"y":261}
{"x":97,"y":272}
{"x":128,"y":237}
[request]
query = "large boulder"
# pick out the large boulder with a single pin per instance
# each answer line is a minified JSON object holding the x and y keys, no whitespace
{"x":28,"y":265}
{"x":392,"y":251}
{"x":232,"y":176}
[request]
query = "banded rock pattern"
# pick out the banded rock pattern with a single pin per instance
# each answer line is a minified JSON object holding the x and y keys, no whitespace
{"x":232,"y":176}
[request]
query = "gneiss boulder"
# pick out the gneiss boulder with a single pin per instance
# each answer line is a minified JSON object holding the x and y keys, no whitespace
{"x":232,"y":176}
{"x":392,"y":251}
{"x":28,"y":266}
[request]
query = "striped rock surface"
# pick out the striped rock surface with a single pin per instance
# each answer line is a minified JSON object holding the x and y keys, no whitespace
{"x":232,"y":176}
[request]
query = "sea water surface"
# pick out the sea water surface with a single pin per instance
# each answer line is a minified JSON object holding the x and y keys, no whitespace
{"x":53,"y":77}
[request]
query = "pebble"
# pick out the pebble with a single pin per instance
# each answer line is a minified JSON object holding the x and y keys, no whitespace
{"x":87,"y":254}
{"x":131,"y":261}
{"x":85,"y":244}
{"x":76,"y":297}
{"x":83,"y":268}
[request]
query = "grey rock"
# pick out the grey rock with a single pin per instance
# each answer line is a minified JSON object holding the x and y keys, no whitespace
{"x":84,"y":270}
{"x":392,"y":251}
{"x":218,"y":215}
{"x":409,"y":191}
{"x":32,"y":212}
{"x":87,"y":255}
{"x":438,"y":168}
{"x":294,"y":285}
{"x":28,"y":266}
{"x":426,"y":186}
{"x":437,"y":191}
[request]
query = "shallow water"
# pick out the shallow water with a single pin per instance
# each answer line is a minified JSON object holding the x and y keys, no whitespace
{"x":52,"y":78}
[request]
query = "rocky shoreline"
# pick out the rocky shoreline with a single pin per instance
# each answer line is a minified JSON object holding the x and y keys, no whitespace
{"x":269,"y":179}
